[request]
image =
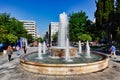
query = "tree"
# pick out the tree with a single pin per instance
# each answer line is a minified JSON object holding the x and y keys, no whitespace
{"x":55,"y":37}
{"x":117,"y":21}
{"x":2,"y":32}
{"x":40,"y":40}
{"x":92,"y":30}
{"x":29,"y":38}
{"x":104,"y":9}
{"x":118,"y":6}
{"x":77,"y":25}
{"x":10,"y":38}
{"x":4,"y":18}
{"x":85,"y":37}
{"x":104,"y":15}
{"x":11,"y":29}
{"x":118,"y":35}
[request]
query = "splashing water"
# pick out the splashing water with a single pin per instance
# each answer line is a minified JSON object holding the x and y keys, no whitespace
{"x":67,"y":53}
{"x":39,"y":51}
{"x":63,"y":30}
{"x":44,"y":47}
{"x":87,"y":50}
{"x":80,"y":48}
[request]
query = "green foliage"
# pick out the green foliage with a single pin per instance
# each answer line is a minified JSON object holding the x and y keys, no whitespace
{"x":118,"y":6}
{"x":104,"y":9}
{"x":2,"y":32}
{"x":4,"y":18}
{"x":85,"y":37}
{"x":77,"y":25}
{"x":92,"y":30}
{"x":105,"y":19}
{"x":40,"y":40}
{"x":108,"y":19}
{"x":11,"y":29}
{"x":118,"y":35}
{"x":29,"y":38}
{"x":10,"y":38}
{"x":104,"y":34}
{"x":117,"y":15}
{"x":55,"y":37}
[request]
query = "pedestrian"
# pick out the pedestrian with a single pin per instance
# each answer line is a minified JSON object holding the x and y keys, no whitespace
{"x":9,"y":52}
{"x":113,"y":51}
{"x":25,"y":49}
{"x":17,"y":50}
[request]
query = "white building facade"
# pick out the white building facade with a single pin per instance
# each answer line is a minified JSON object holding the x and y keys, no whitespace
{"x":30,"y":26}
{"x":53,"y":29}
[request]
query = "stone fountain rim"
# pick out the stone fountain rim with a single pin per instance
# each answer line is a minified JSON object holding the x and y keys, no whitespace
{"x":23,"y":60}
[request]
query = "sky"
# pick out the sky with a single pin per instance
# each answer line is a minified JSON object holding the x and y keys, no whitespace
{"x":46,"y":11}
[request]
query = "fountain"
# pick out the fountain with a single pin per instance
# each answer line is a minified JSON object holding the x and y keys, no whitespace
{"x":67,"y":55}
{"x":44,"y":47}
{"x":80,"y":48}
{"x":67,"y":62}
{"x":63,"y":30}
{"x":87,"y":50}
{"x":39,"y":51}
{"x":63,"y":40}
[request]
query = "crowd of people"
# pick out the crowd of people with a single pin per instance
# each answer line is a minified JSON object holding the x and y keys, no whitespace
{"x":9,"y":51}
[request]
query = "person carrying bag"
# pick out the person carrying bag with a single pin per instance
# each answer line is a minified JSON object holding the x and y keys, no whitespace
{"x":9,"y":52}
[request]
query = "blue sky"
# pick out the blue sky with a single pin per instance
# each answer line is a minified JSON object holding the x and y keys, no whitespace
{"x":45,"y":11}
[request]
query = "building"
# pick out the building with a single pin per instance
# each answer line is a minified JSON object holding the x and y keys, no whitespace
{"x":30,"y":26}
{"x":53,"y":28}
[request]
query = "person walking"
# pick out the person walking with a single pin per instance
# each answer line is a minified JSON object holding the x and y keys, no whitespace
{"x":9,"y":52}
{"x":17,"y":50}
{"x":25,"y":49}
{"x":113,"y":51}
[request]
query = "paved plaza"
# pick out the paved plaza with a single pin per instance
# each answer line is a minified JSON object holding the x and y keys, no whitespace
{"x":13,"y":71}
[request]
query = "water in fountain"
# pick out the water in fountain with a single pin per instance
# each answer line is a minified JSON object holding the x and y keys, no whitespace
{"x":63,"y":30}
{"x":87,"y":50}
{"x":76,"y":54}
{"x":44,"y":47}
{"x":80,"y":48}
{"x":67,"y":53}
{"x":39,"y":51}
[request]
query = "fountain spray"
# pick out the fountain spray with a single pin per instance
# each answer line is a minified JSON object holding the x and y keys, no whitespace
{"x":39,"y":51}
{"x":80,"y":48}
{"x":87,"y":50}
{"x":44,"y":47}
{"x":67,"y":53}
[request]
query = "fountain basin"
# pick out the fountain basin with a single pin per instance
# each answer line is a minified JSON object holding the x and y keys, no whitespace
{"x":64,"y":69}
{"x":60,"y":52}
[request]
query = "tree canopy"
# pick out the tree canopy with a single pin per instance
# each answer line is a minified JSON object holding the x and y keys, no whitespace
{"x":11,"y":29}
{"x":80,"y":28}
{"x":107,"y":19}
